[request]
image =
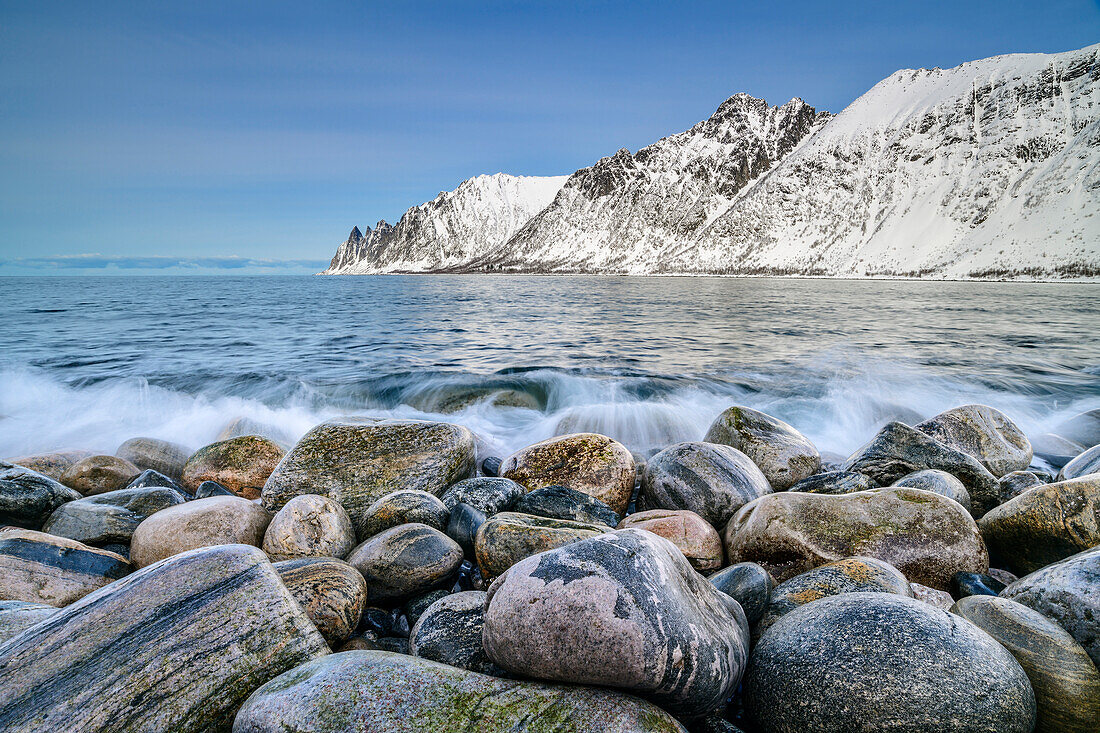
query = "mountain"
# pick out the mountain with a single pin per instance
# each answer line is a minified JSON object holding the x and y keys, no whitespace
{"x":987,"y":170}
{"x":450,"y":230}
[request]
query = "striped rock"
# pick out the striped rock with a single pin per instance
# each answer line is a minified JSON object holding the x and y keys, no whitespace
{"x":405,"y":561}
{"x":18,"y":616}
{"x":625,"y":610}
{"x":110,"y":517}
{"x":241,"y":465}
{"x":507,"y":537}
{"x":42,"y":568}
{"x":176,"y":646}
{"x":309,"y":526}
{"x":27,"y":498}
{"x":53,"y":464}
{"x":158,"y":455}
{"x":712,"y":480}
{"x":357,"y":461}
{"x":382,"y":691}
{"x":587,"y":462}
{"x":219,"y":520}
{"x":99,"y":474}
{"x":331,"y":592}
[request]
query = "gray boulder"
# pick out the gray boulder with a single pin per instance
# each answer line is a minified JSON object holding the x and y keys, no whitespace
{"x":27,"y":498}
{"x":111,"y":517}
{"x":984,"y":433}
{"x":449,"y":631}
{"x":487,"y":494}
{"x":784,"y":455}
{"x":403,"y":507}
{"x":159,"y":455}
{"x":1084,"y":464}
{"x":938,"y":482}
{"x":834,"y":482}
{"x":405,"y":561}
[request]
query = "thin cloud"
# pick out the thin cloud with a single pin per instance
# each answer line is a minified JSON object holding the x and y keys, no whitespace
{"x":156,"y":262}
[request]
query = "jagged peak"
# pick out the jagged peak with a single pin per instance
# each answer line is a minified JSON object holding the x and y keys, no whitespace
{"x":355,"y":235}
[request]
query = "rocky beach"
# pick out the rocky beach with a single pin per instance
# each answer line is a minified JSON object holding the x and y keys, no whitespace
{"x":384,"y":574}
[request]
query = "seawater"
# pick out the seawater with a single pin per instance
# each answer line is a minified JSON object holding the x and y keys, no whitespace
{"x":88,"y":362}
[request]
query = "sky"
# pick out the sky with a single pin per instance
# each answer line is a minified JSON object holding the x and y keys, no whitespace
{"x":249,"y":137}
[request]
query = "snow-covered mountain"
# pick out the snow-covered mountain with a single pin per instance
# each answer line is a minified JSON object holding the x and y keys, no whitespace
{"x":449,"y":231}
{"x":989,"y":169}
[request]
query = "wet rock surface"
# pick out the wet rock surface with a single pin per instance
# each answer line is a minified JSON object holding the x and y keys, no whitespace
{"x":834,"y":482}
{"x":747,"y":583}
{"x":508,"y":537}
{"x":587,"y":462}
{"x":1088,"y":462}
{"x":559,"y":502}
{"x":405,"y":561}
{"x":28,"y":498}
{"x":485,"y":493}
{"x":784,"y":455}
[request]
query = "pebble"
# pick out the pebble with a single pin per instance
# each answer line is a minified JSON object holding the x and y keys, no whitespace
{"x":219,"y":520}
{"x":415,"y":606}
{"x":462,"y":526}
{"x":784,"y":455}
{"x":936,"y":598}
{"x":211,"y":488}
{"x":149,"y":479}
{"x":309,"y":526}
{"x":240,"y":464}
{"x":975,"y":584}
{"x":1013,"y":484}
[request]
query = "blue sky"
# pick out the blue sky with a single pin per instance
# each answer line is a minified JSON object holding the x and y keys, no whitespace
{"x":249,"y":137}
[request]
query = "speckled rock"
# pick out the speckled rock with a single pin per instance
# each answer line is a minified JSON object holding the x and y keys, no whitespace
{"x":449,"y":631}
{"x":692,"y":535}
{"x":1083,"y":428}
{"x":403,"y":507}
{"x":938,"y":482}
{"x":747,"y":583}
{"x":1083,"y":465}
{"x":27,"y":498}
{"x":879,"y":661}
{"x":834,"y":482}
{"x":167,"y":648}
{"x":784,"y":455}
{"x":1064,"y":679}
{"x":406,"y":561}
{"x":52,"y":465}
{"x":940,"y":599}
{"x":714,"y":481}
{"x":1044,"y":525}
{"x":558,"y":502}
{"x":111,"y":517}
{"x":1066,"y":592}
{"x":984,"y":433}
{"x":850,"y":575}
{"x":99,"y":474}
{"x":975,"y":584}
{"x":18,"y":616}
{"x":357,"y":461}
{"x":161,"y":456}
{"x":241,"y":464}
{"x":1013,"y":484}
{"x":415,"y":607}
{"x":331,"y":592}
{"x":626,"y":610}
{"x":211,"y":488}
{"x":485,"y":493}
{"x":926,"y":536}
{"x":508,"y":537}
{"x":309,"y":526}
{"x":381,"y":691}
{"x":592,"y":464}
{"x":219,"y":520}
{"x":898,"y":450}
{"x":490,"y":466}
{"x":41,"y":568}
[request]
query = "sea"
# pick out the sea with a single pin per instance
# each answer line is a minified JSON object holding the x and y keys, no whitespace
{"x":88,"y":362}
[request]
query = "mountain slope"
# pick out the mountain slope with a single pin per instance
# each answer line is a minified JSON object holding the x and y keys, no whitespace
{"x":452,"y":229}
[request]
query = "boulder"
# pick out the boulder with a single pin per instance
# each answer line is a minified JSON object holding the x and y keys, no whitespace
{"x":149,"y":479}
{"x":158,"y":455}
{"x":1054,"y":449}
{"x":880,"y":661}
{"x":331,"y":592}
{"x":357,"y":461}
{"x":1013,"y":484}
{"x":111,"y":517}
{"x":403,"y":507}
{"x":27,"y":498}
{"x":692,"y":535}
{"x":940,"y":599}
{"x":382,"y":691}
{"x":52,"y":465}
{"x":241,"y":465}
{"x":984,"y":433}
{"x":219,"y":520}
{"x":1064,"y":679}
{"x":507,"y":537}
{"x":41,"y":568}
{"x":714,"y":481}
{"x":590,"y":463}
{"x":938,"y":482}
{"x":747,"y":583}
{"x":18,"y":616}
{"x":626,"y":610}
{"x":834,"y":482}
{"x":558,"y":502}
{"x":241,"y":426}
{"x":850,"y":575}
{"x":1083,"y":465}
{"x":926,"y":536}
{"x":1066,"y":592}
{"x":488,"y":495}
{"x":177,"y":647}
{"x":211,"y":488}
{"x":309,"y":526}
{"x":784,"y":455}
{"x":898,"y":450}
{"x":415,"y":607}
{"x":99,"y":474}
{"x":1044,"y":524}
{"x":405,"y":561}
{"x":449,"y":631}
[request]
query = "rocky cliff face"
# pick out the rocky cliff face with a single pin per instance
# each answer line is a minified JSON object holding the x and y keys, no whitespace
{"x":989,"y":169}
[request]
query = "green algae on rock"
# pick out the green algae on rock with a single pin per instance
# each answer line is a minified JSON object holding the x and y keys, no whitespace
{"x":507,"y":537}
{"x":588,"y":462}
{"x":783,"y":454}
{"x":240,"y":464}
